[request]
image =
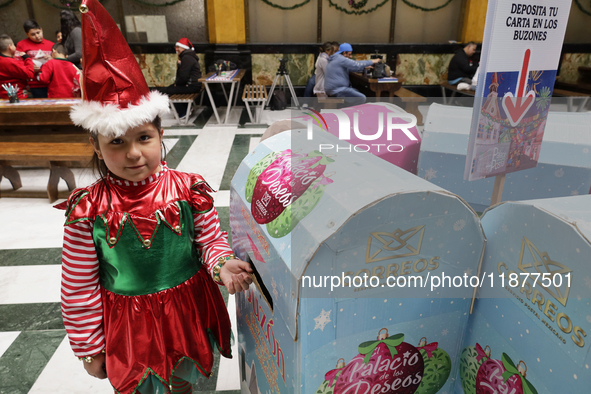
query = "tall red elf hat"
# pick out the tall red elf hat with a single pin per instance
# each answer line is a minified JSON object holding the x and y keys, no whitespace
{"x":184,"y":43}
{"x":116,"y":96}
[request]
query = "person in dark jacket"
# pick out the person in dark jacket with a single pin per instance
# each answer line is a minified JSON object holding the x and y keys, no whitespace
{"x":461,"y":68}
{"x":188,"y":73}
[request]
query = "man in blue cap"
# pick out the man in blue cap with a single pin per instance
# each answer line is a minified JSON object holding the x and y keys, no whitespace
{"x":336,"y":79}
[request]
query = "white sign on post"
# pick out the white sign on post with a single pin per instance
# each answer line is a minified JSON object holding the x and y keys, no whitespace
{"x":520,"y":54}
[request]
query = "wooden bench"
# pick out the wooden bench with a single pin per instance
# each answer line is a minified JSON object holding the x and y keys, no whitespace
{"x":570,"y":96}
{"x":256,"y":94}
{"x":411,"y":101}
{"x":55,"y":155}
{"x":330,"y":102}
{"x":454,"y":89}
{"x":188,"y":99}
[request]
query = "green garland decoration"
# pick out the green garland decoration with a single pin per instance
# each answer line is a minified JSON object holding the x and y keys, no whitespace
{"x":418,"y":7}
{"x":9,"y":2}
{"x":169,"y":3}
{"x":74,"y":7}
{"x":584,"y":11}
{"x":330,"y":3}
{"x":359,"y":5}
{"x":293,"y":7}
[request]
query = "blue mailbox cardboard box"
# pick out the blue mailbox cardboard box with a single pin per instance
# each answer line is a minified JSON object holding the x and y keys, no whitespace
{"x":564,"y":158}
{"x":308,"y":222}
{"x":530,"y":331}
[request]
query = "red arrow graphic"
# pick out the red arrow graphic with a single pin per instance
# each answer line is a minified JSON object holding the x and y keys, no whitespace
{"x":516,"y":106}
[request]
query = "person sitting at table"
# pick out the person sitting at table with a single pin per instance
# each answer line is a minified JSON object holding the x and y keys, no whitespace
{"x":461,"y":68}
{"x":336,"y":79}
{"x":13,"y":71}
{"x":61,"y":76}
{"x":39,"y":50}
{"x":321,"y":63}
{"x":188,"y":73}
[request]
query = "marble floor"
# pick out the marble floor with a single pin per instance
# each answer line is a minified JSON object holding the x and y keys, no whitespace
{"x":35,"y":356}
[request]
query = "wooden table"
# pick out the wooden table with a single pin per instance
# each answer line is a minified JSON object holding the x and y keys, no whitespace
{"x":454,"y":89}
{"x":233,"y":90}
{"x":39,"y":133}
{"x":34,"y":120}
{"x":358,"y":80}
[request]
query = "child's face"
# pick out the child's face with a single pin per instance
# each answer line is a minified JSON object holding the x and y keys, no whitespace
{"x":35,"y":35}
{"x":133,"y":156}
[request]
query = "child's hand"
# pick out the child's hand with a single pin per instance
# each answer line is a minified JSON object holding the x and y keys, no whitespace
{"x":97,"y":367}
{"x":236,"y":275}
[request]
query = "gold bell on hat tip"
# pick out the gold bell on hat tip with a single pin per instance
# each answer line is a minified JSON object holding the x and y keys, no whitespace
{"x":112,"y":240}
{"x":83,"y":8}
{"x":147,"y":242}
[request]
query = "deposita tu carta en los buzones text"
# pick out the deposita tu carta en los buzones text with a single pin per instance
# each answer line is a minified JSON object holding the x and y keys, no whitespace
{"x":537,"y":17}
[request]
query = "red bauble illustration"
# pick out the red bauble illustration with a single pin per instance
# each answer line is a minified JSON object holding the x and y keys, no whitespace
{"x":387,"y":366}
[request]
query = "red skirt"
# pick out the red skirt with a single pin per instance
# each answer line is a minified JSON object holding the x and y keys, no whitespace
{"x":153,"y":333}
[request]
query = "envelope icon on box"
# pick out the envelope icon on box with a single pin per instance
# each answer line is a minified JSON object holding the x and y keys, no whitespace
{"x":542,"y":263}
{"x":385,"y":246}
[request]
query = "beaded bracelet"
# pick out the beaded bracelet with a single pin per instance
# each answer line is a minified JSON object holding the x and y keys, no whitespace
{"x":89,"y":359}
{"x":217,"y":269}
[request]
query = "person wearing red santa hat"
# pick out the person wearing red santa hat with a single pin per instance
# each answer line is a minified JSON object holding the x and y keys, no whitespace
{"x":143,"y":249}
{"x":188,"y":73}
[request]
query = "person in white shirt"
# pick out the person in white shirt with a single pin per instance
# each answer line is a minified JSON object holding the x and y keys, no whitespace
{"x":321,"y":68}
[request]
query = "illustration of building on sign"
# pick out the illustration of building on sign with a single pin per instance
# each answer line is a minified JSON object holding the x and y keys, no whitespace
{"x":489,"y":125}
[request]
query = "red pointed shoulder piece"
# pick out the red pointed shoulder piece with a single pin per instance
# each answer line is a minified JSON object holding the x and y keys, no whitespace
{"x":201,"y":201}
{"x":78,"y":207}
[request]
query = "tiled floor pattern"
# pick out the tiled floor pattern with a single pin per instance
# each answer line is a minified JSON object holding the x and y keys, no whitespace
{"x":35,"y":356}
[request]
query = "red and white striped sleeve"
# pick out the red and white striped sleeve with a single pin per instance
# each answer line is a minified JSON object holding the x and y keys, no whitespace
{"x":211,"y":241}
{"x":82,"y":306}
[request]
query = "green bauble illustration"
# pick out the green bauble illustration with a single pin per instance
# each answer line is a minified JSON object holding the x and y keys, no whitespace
{"x":299,"y":209}
{"x":257,"y":170}
{"x":437,"y":367}
{"x":471,"y":359}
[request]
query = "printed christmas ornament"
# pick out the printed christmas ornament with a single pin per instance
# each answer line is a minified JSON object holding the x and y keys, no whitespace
{"x":387,"y":365}
{"x":256,"y":170}
{"x":299,"y":209}
{"x":437,"y":367}
{"x":471,"y":359}
{"x":502,"y":376}
{"x":327,"y":387}
{"x":280,"y":184}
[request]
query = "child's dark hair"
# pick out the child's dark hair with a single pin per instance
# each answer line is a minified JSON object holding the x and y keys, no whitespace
{"x":60,"y":48}
{"x":30,"y":24}
{"x":5,"y":42}
{"x":99,"y":166}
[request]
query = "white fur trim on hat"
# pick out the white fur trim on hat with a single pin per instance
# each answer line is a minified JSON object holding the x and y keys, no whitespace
{"x":178,"y":44}
{"x":111,"y":121}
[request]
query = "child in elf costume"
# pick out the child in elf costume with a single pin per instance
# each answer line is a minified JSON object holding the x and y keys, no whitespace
{"x":143,"y":249}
